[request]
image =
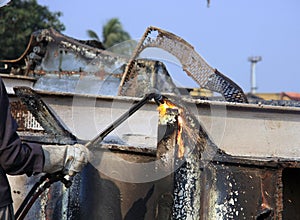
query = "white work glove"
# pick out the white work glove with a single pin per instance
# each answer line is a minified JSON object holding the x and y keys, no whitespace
{"x":67,"y":158}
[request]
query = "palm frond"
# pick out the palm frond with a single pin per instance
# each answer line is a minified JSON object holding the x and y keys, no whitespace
{"x":93,"y":35}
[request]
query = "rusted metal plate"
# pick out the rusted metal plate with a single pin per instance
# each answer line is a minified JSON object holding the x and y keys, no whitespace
{"x":24,"y":118}
{"x":103,"y":190}
{"x":213,"y":160}
{"x":219,"y":187}
{"x":290,"y":197}
{"x":235,"y":192}
{"x":249,"y":188}
{"x":100,"y":193}
{"x":51,"y":56}
{"x":61,"y":63}
{"x":45,"y":116}
{"x":111,"y":198}
{"x":238,"y":129}
{"x":192,"y":63}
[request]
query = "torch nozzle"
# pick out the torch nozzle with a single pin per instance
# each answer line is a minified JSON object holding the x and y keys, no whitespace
{"x":158,"y":98}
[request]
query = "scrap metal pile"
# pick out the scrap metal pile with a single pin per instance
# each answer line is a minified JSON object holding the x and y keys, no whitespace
{"x":51,"y":53}
{"x":189,"y":175}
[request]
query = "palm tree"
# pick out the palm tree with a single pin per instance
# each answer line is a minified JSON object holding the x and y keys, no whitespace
{"x":112,"y":33}
{"x":92,"y":34}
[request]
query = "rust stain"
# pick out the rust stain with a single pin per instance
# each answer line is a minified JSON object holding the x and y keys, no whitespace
{"x":192,"y":63}
{"x":20,"y":113}
{"x":191,"y":137}
{"x":162,"y":108}
{"x":265,"y":209}
{"x":180,"y":141}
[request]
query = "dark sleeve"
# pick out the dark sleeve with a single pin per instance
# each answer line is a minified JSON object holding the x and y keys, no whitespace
{"x":16,"y":157}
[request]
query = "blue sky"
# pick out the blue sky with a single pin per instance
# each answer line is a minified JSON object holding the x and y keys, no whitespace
{"x":225,"y":34}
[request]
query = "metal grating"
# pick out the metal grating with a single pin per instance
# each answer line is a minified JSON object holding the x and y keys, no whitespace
{"x":25,"y":120}
{"x":192,"y":63}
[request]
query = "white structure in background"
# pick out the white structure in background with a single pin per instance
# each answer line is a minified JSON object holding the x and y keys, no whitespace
{"x":253,"y":61}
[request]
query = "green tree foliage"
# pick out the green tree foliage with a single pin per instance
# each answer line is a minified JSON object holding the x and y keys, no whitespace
{"x":112,"y":33}
{"x":92,"y":34}
{"x":17,"y":22}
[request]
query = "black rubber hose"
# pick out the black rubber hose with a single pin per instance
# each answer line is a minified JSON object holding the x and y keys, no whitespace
{"x":30,"y":194}
{"x":30,"y":203}
{"x":33,"y":194}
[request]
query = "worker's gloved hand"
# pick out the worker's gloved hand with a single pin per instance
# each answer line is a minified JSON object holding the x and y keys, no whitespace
{"x":67,"y":158}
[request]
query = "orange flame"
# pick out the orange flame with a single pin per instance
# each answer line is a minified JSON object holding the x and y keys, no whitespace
{"x":162,"y":108}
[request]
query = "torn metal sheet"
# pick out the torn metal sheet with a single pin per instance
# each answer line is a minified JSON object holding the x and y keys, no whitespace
{"x":73,"y":61}
{"x":63,"y":64}
{"x":192,"y":63}
{"x":45,"y":116}
{"x":50,"y":51}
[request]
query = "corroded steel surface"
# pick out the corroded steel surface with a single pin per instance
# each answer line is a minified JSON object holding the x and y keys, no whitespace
{"x":249,"y":188}
{"x":61,"y":63}
{"x":193,"y":64}
{"x":231,"y":187}
{"x":206,"y":181}
{"x":148,"y":76}
{"x":236,"y":192}
{"x":45,"y":116}
{"x":52,"y":56}
{"x":201,"y":187}
{"x":49,"y":50}
{"x":191,"y":142}
{"x":21,"y":115}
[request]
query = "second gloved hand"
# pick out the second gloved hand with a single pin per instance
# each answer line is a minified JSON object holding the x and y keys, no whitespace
{"x":67,"y":158}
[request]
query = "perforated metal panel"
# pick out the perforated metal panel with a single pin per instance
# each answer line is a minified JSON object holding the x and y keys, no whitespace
{"x":25,"y":120}
{"x":192,"y":63}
